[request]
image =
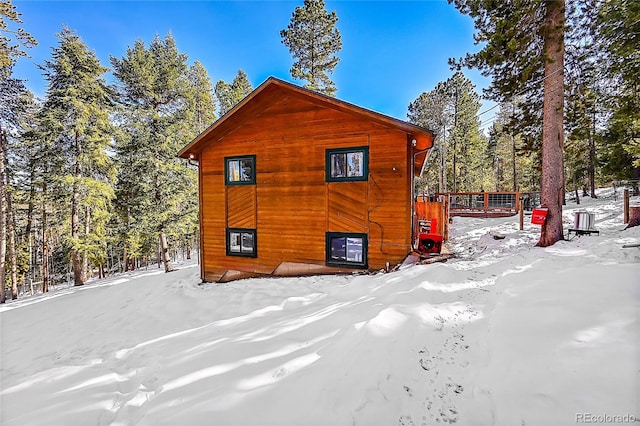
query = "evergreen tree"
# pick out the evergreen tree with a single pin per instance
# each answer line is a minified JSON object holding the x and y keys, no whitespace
{"x":12,"y":44}
{"x":314,"y":41}
{"x":12,"y":112}
{"x":431,"y":110}
{"x":229,"y":95}
{"x":156,"y":92}
{"x":76,"y":113}
{"x":12,"y":41}
{"x":523,"y":46}
{"x":465,"y":139}
{"x":451,"y":110}
{"x":618,"y":29}
{"x":585,"y":93}
{"x":511,"y":165}
{"x":202,"y":111}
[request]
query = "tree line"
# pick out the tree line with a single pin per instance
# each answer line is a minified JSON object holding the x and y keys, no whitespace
{"x":565,"y":79}
{"x":90,"y":178}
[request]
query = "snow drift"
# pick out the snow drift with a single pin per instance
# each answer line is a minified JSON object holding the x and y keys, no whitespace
{"x":505,"y":334}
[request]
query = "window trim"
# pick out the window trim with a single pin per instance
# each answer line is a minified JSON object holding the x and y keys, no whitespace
{"x":365,"y":171}
{"x":365,"y":250}
{"x":237,"y":158}
{"x":241,"y":231}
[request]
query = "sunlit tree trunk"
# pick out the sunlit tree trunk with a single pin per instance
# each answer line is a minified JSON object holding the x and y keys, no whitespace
{"x":3,"y":218}
{"x":164,"y":253}
{"x":552,"y":129}
{"x":592,"y":157}
{"x":45,"y":241}
{"x":13,"y":254}
{"x":79,"y":272}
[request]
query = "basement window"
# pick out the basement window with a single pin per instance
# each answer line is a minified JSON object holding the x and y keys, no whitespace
{"x":347,"y":164}
{"x":241,"y":242}
{"x":347,"y":249}
{"x":240,"y":170}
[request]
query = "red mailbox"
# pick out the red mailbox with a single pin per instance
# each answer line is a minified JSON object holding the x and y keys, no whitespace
{"x":538,"y":216}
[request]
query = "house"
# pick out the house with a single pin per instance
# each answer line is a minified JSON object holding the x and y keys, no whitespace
{"x":294,"y":182}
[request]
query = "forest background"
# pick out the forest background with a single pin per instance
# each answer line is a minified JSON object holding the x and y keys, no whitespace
{"x":89,"y":181}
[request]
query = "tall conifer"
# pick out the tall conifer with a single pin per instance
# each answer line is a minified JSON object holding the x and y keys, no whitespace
{"x":523,"y":52}
{"x":157,"y":95}
{"x":314,"y":42}
{"x":76,"y":113}
{"x":229,"y":95}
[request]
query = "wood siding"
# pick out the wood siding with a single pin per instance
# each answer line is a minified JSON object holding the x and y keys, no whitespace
{"x":291,"y":205}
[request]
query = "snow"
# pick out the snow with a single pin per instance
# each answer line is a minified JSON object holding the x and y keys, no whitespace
{"x":505,"y":334}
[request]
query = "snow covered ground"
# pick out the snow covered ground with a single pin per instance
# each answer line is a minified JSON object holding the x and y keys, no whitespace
{"x":506,"y":334}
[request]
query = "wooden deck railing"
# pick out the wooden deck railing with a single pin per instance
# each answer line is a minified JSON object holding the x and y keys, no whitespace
{"x":483,"y":203}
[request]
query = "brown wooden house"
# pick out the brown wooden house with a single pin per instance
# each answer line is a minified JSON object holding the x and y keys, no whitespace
{"x":293,"y":182}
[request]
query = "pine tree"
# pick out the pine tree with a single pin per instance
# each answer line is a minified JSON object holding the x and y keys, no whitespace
{"x":314,"y":42}
{"x":76,"y":112}
{"x":12,"y":41}
{"x":202,"y":111}
{"x":618,"y":29}
{"x":11,"y":113}
{"x":509,"y":163}
{"x":156,"y":93}
{"x":523,"y":45}
{"x":229,"y":95}
{"x":431,"y":110}
{"x":12,"y":45}
{"x":3,"y":218}
{"x":451,"y":110}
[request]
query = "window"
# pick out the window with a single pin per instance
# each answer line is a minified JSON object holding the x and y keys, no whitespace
{"x":240,"y":170}
{"x":345,"y":249}
{"x":241,"y":242}
{"x":347,"y":164}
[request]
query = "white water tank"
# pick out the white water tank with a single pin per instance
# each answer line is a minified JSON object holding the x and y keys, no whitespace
{"x":584,"y":221}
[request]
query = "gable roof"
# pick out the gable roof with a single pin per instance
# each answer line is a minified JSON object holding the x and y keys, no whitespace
{"x":274,"y":89}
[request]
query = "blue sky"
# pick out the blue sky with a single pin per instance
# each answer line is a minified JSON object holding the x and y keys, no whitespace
{"x":392,"y":51}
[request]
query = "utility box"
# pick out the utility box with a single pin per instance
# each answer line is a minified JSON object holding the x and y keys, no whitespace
{"x":584,"y":221}
{"x":539,"y":216}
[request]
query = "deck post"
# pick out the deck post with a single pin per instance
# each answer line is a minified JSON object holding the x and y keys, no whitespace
{"x":626,"y":206}
{"x":521,"y":210}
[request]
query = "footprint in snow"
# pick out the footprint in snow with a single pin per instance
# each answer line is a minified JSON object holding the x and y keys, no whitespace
{"x":426,"y":361}
{"x":405,"y":421}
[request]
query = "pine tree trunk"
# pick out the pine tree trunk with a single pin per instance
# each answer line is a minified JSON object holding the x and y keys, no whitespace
{"x":552,"y":188}
{"x":455,"y":140}
{"x":29,"y":227}
{"x":513,"y":153}
{"x":10,"y":224}
{"x":79,"y":272}
{"x":592,"y":158}
{"x":85,"y":254}
{"x":443,"y":162}
{"x":45,"y":242}
{"x":164,"y":252}
{"x":3,"y":218}
{"x":13,"y":255}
